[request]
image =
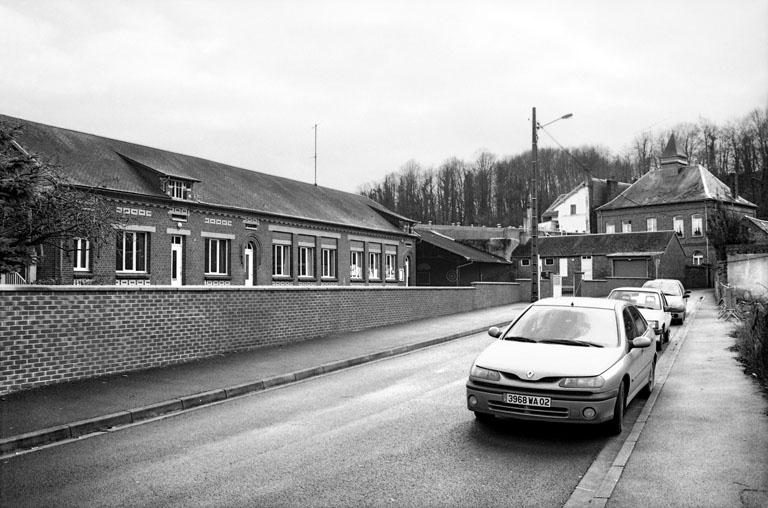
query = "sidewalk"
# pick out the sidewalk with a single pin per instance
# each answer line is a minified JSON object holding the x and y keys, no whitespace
{"x":69,"y":410}
{"x":701,"y":438}
{"x":705,"y":442}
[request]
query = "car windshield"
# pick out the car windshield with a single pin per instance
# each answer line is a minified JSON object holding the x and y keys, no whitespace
{"x":580,"y":326}
{"x":641,"y":299}
{"x":668,"y":287}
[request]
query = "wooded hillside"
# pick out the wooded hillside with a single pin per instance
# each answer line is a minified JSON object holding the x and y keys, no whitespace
{"x":492,"y":190}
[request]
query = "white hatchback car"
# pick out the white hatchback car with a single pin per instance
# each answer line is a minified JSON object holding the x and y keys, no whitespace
{"x":571,"y":359}
{"x":675,"y":293}
{"x":652,"y":305}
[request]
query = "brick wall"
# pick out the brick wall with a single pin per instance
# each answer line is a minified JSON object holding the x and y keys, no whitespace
{"x":52,"y":334}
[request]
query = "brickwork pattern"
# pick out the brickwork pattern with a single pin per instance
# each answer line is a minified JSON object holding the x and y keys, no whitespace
{"x":54,"y":334}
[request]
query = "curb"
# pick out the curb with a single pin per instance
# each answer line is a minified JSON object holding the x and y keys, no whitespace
{"x":79,"y":429}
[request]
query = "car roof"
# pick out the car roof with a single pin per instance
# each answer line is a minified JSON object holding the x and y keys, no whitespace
{"x":664,"y":280}
{"x":635,"y":288}
{"x":578,"y":301}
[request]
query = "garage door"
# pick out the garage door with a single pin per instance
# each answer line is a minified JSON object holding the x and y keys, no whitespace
{"x":630,"y":268}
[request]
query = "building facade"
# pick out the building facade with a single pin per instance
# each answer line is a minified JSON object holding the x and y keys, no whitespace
{"x":676,"y":197}
{"x":575,"y":211}
{"x":183,"y":220}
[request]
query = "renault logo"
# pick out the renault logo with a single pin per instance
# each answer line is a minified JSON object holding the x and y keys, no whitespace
{"x":529,"y":374}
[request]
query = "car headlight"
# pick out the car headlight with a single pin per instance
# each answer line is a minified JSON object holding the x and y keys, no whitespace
{"x":582,"y":382}
{"x":481,"y":373}
{"x":653,"y":324}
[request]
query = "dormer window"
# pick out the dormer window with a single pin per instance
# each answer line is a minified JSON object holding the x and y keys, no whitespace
{"x":178,"y":189}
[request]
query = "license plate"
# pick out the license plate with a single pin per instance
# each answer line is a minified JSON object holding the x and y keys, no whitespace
{"x":527,"y":400}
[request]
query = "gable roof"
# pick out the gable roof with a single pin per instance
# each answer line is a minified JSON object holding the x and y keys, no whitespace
{"x":760,"y":224}
{"x":640,"y":243}
{"x":449,"y":244}
{"x":672,"y":185}
{"x":600,"y":187}
{"x":109,"y":164}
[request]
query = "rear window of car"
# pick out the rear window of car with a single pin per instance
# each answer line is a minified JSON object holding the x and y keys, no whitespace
{"x":597,"y":326}
{"x":640,"y":299}
{"x":667,"y":286}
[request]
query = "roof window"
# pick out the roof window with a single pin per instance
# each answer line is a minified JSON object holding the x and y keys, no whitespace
{"x":178,"y":189}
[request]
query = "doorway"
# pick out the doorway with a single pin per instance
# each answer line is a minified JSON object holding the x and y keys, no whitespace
{"x":177,"y":260}
{"x":248,"y":263}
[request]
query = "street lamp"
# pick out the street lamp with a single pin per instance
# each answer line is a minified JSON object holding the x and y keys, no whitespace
{"x":535,"y":126}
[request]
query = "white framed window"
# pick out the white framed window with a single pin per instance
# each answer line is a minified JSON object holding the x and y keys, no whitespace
{"x":356,"y":264}
{"x":549,"y":261}
{"x":650,"y":224}
{"x":573,"y":209}
{"x":678,"y":226}
{"x":82,"y":252}
{"x":306,"y":261}
{"x":374,"y":265}
{"x":132,"y":252}
{"x":610,"y":228}
{"x":216,"y":256}
{"x":329,"y":263}
{"x":697,"y":226}
{"x":281,"y":260}
{"x":698,"y":258}
{"x":525,"y":262}
{"x":178,"y":189}
{"x":390,"y":266}
{"x":626,"y":226}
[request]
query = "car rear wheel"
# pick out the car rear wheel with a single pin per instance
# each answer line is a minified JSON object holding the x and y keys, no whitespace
{"x":616,"y":424}
{"x":484,"y":417}
{"x":648,"y":389}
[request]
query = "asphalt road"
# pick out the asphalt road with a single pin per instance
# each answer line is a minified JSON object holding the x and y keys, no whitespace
{"x":393,"y":432}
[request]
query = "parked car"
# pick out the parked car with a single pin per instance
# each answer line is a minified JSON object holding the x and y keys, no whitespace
{"x":652,"y":305}
{"x":676,"y":295}
{"x":569,"y":359}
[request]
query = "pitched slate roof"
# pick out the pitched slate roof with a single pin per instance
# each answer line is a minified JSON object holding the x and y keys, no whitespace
{"x":675,"y":184}
{"x":760,"y":224}
{"x":95,"y":161}
{"x":640,"y":243}
{"x":465,"y":251}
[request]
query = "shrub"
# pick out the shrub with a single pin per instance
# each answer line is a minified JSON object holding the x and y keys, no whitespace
{"x":752,"y":341}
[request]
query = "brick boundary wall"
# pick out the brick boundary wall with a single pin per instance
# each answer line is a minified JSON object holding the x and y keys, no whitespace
{"x":53,"y":334}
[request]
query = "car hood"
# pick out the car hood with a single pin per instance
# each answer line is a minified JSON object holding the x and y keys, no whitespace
{"x":547,"y":360}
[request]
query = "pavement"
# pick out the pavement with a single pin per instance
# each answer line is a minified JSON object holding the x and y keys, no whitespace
{"x":701,"y":438}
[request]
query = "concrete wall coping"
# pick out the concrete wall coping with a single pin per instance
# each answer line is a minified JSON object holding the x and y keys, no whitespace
{"x":34,"y":288}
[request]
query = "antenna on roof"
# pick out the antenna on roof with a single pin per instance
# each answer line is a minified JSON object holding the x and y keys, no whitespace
{"x":315,"y":127}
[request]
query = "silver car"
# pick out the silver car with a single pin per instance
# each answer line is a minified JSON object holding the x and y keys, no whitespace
{"x":570,"y":359}
{"x":676,"y":295}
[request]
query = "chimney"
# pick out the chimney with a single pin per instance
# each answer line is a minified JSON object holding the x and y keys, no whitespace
{"x":611,"y":189}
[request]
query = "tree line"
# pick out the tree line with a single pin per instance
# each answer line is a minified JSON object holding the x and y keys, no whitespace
{"x":491,"y":190}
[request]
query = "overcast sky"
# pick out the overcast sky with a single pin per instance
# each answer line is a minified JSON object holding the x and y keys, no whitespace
{"x":243,"y":82}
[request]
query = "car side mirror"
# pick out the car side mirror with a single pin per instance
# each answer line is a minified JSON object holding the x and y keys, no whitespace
{"x":494,"y":332}
{"x":641,"y":341}
{"x":667,"y":308}
{"x":686,"y":294}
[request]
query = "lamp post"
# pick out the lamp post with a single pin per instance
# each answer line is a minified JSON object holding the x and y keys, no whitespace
{"x":535,"y":126}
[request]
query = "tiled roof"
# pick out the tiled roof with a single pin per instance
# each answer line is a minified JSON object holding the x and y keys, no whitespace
{"x":759,"y":223}
{"x":95,"y":161}
{"x":599,"y":244}
{"x":461,"y":233}
{"x":675,"y":184}
{"x":465,"y":251}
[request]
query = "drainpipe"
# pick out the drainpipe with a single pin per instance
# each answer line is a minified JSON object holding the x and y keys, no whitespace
{"x":460,"y":267}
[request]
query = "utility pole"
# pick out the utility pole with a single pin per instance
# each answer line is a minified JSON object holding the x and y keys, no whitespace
{"x":315,"y":127}
{"x":534,"y":211}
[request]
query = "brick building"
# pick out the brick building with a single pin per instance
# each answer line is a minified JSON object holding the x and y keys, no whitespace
{"x":676,"y":197}
{"x":576,"y":211}
{"x":641,"y":255}
{"x":191,"y":221}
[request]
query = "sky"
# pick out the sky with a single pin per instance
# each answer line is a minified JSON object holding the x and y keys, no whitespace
{"x":245,"y":82}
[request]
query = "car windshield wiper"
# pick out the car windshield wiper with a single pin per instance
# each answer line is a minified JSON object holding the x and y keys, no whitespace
{"x":519,"y":339}
{"x":571,"y":342}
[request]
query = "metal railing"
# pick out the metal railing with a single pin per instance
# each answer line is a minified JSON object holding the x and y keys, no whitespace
{"x":12,"y":279}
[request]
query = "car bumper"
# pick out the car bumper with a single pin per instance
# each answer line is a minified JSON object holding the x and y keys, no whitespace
{"x":564,"y":407}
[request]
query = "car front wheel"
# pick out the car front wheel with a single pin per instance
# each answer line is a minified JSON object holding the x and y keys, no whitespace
{"x":484,"y":417}
{"x":616,"y":425}
{"x":665,"y":335}
{"x":648,"y":389}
